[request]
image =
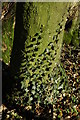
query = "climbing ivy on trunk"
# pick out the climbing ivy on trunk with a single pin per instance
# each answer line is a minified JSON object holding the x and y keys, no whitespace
{"x":36,"y":51}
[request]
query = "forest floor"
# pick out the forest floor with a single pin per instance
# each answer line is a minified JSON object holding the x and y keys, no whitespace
{"x":67,"y":107}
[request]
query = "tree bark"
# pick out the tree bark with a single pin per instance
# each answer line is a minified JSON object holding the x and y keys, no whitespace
{"x":44,"y":19}
{"x":19,"y":40}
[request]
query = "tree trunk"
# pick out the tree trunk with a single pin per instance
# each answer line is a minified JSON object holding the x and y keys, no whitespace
{"x":38,"y":21}
{"x":19,"y":40}
{"x":37,"y":42}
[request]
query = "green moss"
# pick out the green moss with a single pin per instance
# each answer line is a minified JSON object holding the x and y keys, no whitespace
{"x":72,"y":37}
{"x":7,"y":38}
{"x":75,"y":38}
{"x":67,"y":38}
{"x":71,"y":33}
{"x":42,"y":22}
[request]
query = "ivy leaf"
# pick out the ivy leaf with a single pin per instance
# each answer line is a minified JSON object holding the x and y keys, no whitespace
{"x":27,"y":82}
{"x":60,"y":87}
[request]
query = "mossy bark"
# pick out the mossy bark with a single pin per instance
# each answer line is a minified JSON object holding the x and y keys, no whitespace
{"x":37,"y":46}
{"x":71,"y":34}
{"x":38,"y":21}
